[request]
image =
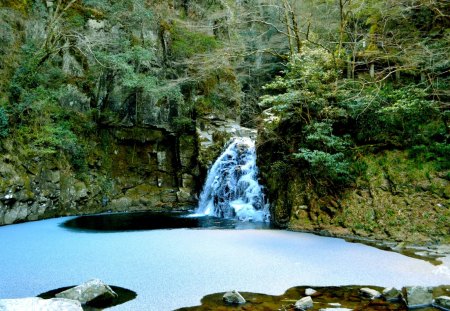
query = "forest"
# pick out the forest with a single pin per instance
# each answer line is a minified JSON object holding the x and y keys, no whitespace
{"x":332,"y":85}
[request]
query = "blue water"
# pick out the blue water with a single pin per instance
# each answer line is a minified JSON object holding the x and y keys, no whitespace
{"x":174,"y":268}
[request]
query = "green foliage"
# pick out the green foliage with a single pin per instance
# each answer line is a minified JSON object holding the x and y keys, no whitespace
{"x":319,"y":135}
{"x":438,"y":153}
{"x":3,"y":123}
{"x":325,"y":153}
{"x":183,"y":124}
{"x":307,"y":82}
{"x":187,"y":43}
{"x":399,"y":116}
{"x":324,"y":165}
{"x":306,"y":96}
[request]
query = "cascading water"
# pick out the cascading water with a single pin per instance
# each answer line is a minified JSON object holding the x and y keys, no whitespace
{"x":231,"y":189}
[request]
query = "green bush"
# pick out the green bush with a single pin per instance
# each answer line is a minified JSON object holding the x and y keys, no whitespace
{"x":3,"y":123}
{"x":323,"y":165}
{"x":187,"y":43}
{"x":439,"y":153}
{"x":398,"y":116}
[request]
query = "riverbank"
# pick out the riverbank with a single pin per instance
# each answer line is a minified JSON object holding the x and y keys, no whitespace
{"x":343,"y":298}
{"x":430,"y":252}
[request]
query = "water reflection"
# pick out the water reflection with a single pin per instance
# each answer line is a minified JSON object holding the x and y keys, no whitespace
{"x":115,"y":222}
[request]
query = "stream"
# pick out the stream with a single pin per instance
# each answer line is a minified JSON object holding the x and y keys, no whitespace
{"x":174,"y":268}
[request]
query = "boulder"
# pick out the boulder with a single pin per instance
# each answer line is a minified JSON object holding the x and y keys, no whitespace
{"x":310,"y":291}
{"x":91,"y":290}
{"x":233,"y":298}
{"x":34,"y":303}
{"x":442,"y":302}
{"x":391,"y":294}
{"x":304,"y":304}
{"x":418,"y":296}
{"x":369,"y":293}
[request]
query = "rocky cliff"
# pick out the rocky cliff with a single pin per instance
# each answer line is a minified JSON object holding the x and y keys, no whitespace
{"x":128,"y":169}
{"x":394,"y":198}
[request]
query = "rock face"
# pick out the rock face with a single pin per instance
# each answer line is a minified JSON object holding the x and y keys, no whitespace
{"x":233,"y":297}
{"x":304,"y":304}
{"x":418,"y":296}
{"x":213,"y":132}
{"x":127,"y":169}
{"x":386,"y":203}
{"x":56,"y":304}
{"x":91,"y":290}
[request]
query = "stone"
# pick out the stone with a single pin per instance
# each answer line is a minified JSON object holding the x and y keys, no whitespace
{"x":88,"y":291}
{"x":183,"y":195}
{"x":391,"y":294}
{"x":334,"y":304}
{"x":369,"y":293}
{"x":304,"y":304}
{"x":418,"y":296}
{"x":335,"y":309}
{"x":442,"y":302}
{"x":233,"y":298}
{"x":35,"y":303}
{"x":310,"y":291}
{"x":11,"y":216}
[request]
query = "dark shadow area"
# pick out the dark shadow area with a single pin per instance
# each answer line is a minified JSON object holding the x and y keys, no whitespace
{"x":123,"y":295}
{"x":135,"y":221}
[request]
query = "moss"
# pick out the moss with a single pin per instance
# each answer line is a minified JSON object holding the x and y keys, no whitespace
{"x":187,"y":43}
{"x":392,"y":200}
{"x":20,"y":5}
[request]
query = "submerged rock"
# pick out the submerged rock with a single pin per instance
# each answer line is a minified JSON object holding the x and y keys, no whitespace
{"x":91,"y":290}
{"x":418,"y":296}
{"x":304,"y":304}
{"x":369,"y":293}
{"x":34,"y":303}
{"x":233,"y":297}
{"x":442,"y":302}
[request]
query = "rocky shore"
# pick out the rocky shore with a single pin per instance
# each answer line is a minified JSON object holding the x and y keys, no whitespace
{"x":344,"y":298}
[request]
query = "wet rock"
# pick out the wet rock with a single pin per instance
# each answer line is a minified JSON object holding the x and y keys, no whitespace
{"x":369,"y":293}
{"x":391,"y":294}
{"x":88,"y":291}
{"x":310,"y":291}
{"x":418,"y":296}
{"x":334,"y":304}
{"x":233,"y":297}
{"x":442,"y":302}
{"x":34,"y":303}
{"x":304,"y":304}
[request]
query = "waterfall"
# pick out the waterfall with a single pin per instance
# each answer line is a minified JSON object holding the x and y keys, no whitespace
{"x":231,"y":189}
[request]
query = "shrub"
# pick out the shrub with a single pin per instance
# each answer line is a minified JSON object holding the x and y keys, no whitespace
{"x":3,"y":123}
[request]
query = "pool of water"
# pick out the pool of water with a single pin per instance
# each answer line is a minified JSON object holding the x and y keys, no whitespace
{"x":169,"y":269}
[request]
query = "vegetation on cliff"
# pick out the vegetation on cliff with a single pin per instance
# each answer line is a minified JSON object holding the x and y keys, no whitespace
{"x":344,"y":105}
{"x":344,"y":82}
